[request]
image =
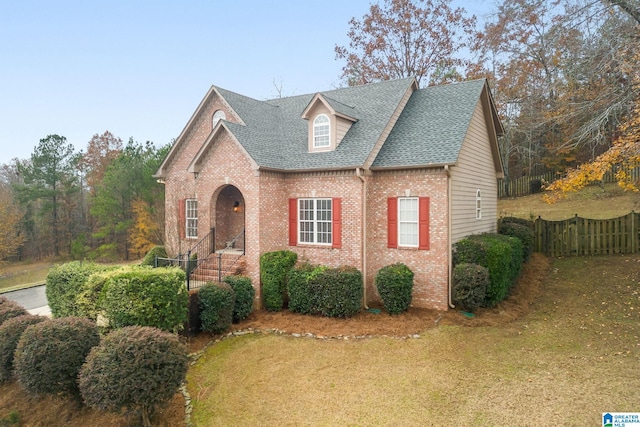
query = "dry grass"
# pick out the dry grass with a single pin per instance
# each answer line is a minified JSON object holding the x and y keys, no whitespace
{"x":22,"y":274}
{"x":570,"y":356}
{"x":592,"y":202}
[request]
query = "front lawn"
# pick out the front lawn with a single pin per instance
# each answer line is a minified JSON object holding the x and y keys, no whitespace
{"x":574,"y":356}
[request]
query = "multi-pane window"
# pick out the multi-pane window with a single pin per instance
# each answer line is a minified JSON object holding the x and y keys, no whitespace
{"x":321,"y":131}
{"x":314,"y":221}
{"x":191,"y":216}
{"x":408,"y":221}
{"x":478,"y":205}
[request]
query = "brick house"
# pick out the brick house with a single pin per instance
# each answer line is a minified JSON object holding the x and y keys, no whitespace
{"x":364,"y":176}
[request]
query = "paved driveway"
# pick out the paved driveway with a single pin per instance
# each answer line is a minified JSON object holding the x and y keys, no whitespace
{"x":33,"y":299}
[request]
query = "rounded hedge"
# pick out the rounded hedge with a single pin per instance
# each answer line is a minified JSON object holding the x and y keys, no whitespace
{"x":339,"y":291}
{"x":274,"y":267}
{"x":143,"y":296}
{"x":470,"y":283}
{"x":63,"y":284}
{"x":216,"y":302}
{"x":10,"y":309}
{"x":49,"y":354}
{"x":134,"y":368}
{"x":245,"y":293}
{"x":395,"y":286}
{"x":10,"y":333}
{"x":522,"y":232}
{"x":302,"y":298}
{"x":156,"y":251}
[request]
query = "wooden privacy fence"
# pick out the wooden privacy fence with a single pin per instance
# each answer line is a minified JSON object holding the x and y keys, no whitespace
{"x":582,"y":236}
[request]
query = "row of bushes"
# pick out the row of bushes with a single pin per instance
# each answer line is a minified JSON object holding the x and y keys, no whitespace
{"x":221,"y":304}
{"x":333,"y":292}
{"x":487,"y":265}
{"x":126,"y":296}
{"x":67,"y":355}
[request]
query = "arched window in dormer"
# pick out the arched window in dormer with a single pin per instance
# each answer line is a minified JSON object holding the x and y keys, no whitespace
{"x":217,"y":116}
{"x":321,"y":131}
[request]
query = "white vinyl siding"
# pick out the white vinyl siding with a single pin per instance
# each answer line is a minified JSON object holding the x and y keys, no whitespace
{"x":474,"y":172}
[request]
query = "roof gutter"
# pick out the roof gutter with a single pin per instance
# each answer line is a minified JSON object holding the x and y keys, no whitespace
{"x":450,"y":249}
{"x":363,"y":241}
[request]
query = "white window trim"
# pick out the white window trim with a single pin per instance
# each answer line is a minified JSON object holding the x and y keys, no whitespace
{"x":191,"y":218}
{"x":478,"y":204}
{"x":405,"y":221}
{"x":328,"y":131}
{"x":314,"y":222}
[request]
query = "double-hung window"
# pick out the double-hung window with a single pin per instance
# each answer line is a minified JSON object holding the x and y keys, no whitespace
{"x":191,"y":218}
{"x":314,"y":221}
{"x":408,"y":222}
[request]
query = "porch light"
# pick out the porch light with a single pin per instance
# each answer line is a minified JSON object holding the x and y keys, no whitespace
{"x":236,"y":206}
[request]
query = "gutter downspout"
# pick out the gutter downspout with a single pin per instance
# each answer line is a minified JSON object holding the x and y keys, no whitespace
{"x":363,"y":243}
{"x":450,"y":254}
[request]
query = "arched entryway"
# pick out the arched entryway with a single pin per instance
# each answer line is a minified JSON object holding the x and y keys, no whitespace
{"x":228,"y":214}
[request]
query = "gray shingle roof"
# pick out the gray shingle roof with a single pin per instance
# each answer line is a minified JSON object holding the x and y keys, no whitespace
{"x":430,"y":129}
{"x":276,"y":136}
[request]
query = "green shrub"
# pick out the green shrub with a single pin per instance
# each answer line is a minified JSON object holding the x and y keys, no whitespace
{"x":470,"y":283}
{"x":522,"y":232}
{"x":515,"y":220}
{"x":88,"y":299}
{"x":156,"y":251}
{"x":339,"y":291}
{"x":49,"y":354}
{"x":142,"y":296}
{"x":245,"y":293}
{"x":302,"y":298}
{"x":500,"y":254}
{"x":133,"y":368}
{"x":10,"y":332}
{"x":216,"y":302}
{"x":395,"y":286}
{"x":10,"y":309}
{"x":63,"y":285}
{"x":274,"y":267}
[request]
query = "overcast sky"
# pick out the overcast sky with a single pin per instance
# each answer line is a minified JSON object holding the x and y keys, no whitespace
{"x":140,"y":68}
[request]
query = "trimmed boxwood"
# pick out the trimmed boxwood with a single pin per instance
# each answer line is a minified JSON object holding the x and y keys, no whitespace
{"x":500,"y":254}
{"x":10,"y":332}
{"x":10,"y":309}
{"x":395,"y":286}
{"x":142,"y":296}
{"x":133,"y":368}
{"x":470,"y":283}
{"x":89,"y":296}
{"x":156,"y":251}
{"x":216,"y":302}
{"x":274,"y":267}
{"x":339,"y":291}
{"x":49,"y":354}
{"x":302,"y":299}
{"x":63,"y":284}
{"x":245,"y":293}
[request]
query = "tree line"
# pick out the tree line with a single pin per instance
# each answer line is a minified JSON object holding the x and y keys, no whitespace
{"x":102,"y":203}
{"x":564,"y":73}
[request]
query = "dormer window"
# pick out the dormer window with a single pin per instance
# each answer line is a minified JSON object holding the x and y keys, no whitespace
{"x":321,"y":131}
{"x":217,"y":116}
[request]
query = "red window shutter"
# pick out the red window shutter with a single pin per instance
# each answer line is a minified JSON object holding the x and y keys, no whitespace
{"x":423,"y":223}
{"x":336,"y":222}
{"x":293,"y":222}
{"x":182,"y":218}
{"x":392,"y":222}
